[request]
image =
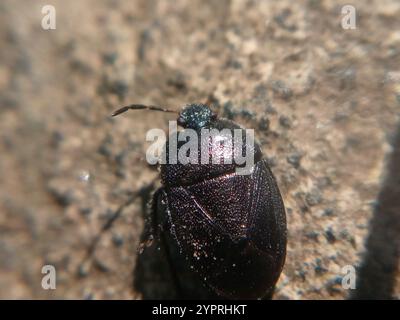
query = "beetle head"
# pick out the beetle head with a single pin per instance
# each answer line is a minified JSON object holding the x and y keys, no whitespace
{"x":196,"y":116}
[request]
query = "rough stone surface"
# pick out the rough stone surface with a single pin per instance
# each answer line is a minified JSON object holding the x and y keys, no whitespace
{"x":324,"y":101}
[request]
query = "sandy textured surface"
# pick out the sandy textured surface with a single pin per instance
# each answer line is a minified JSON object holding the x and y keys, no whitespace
{"x":324,"y":101}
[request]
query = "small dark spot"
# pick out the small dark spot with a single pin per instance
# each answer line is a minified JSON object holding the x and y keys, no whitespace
{"x":8,"y":102}
{"x":120,"y":173}
{"x":56,"y":139}
{"x":304,"y":208}
{"x":319,"y":269}
{"x":105,"y":147}
{"x":344,"y":234}
{"x":347,"y":78}
{"x":118,"y":239}
{"x":340,"y":116}
{"x":233,"y":64}
{"x":101,"y":266}
{"x":352,"y":143}
{"x":263,"y":124}
{"x":80,"y":66}
{"x":88,"y":296}
{"x":107,"y":214}
{"x":120,"y":158}
{"x":145,"y":39}
{"x":270,"y":109}
{"x":281,"y":20}
{"x":63,"y":197}
{"x":83,"y":270}
{"x":177,"y":81}
{"x":8,"y":142}
{"x":329,"y":212}
{"x":330,"y":236}
{"x":22,"y":64}
{"x":85,"y":211}
{"x":313,"y":198}
{"x":302,"y":274}
{"x":313,"y":235}
{"x":228,"y":110}
{"x":288,"y":178}
{"x":279,"y":88}
{"x":261,"y":91}
{"x":285,"y":122}
{"x":118,"y":87}
{"x":105,"y":150}
{"x":271,"y":161}
{"x":323,"y":182}
{"x":110,"y":57}
{"x":294,"y":159}
{"x":213,"y":102}
{"x":334,"y":286}
{"x":247,"y":114}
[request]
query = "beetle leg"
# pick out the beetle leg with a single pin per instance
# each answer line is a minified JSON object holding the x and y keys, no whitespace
{"x":108,"y":224}
{"x":85,"y":264}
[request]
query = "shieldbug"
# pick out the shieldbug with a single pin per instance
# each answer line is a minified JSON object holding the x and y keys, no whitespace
{"x":231,"y":228}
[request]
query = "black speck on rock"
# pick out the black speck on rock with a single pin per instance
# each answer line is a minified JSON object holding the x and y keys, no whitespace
{"x":272,"y":162}
{"x":329,"y":212}
{"x":105,"y":147}
{"x":319,"y":268}
{"x":101,"y":266}
{"x":85,"y":211}
{"x":57,"y":138}
{"x":247,"y":114}
{"x":235,"y":64}
{"x":334,"y":286}
{"x":118,"y":239}
{"x":261,"y":91}
{"x":313,"y":235}
{"x":270,"y":109}
{"x":294,"y":159}
{"x":285,"y":122}
{"x":302,"y":274}
{"x":282,"y":90}
{"x":119,"y":87}
{"x":347,"y":78}
{"x":288,"y":178}
{"x":344,"y":234}
{"x":83,"y":270}
{"x":281,"y":20}
{"x":228,"y":110}
{"x":178,"y":81}
{"x":324,"y":182}
{"x":80,"y":66}
{"x":263,"y":124}
{"x":313,"y":198}
{"x":330,"y":236}
{"x":63,"y":197}
{"x":110,"y":57}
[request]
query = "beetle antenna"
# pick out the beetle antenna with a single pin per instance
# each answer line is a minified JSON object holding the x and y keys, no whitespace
{"x":141,"y":107}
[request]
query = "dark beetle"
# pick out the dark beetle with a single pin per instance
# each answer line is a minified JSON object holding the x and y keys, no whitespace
{"x":230,"y":228}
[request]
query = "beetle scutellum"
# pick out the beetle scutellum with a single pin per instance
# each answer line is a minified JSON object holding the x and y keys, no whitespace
{"x":231,"y":228}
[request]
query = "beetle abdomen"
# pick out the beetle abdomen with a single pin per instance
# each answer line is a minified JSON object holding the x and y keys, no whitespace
{"x":232,"y":229}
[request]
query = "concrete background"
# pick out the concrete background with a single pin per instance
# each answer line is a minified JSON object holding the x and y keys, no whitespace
{"x":324,"y":102}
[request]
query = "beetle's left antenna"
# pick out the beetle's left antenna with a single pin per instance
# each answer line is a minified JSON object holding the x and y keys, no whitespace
{"x":141,"y":107}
